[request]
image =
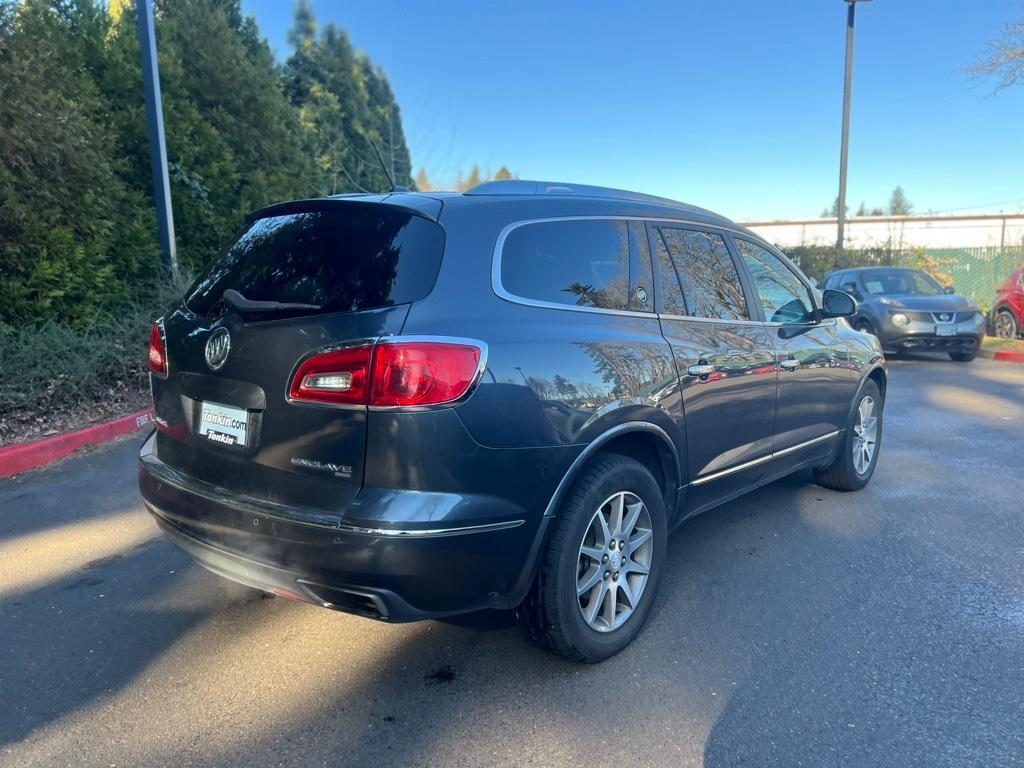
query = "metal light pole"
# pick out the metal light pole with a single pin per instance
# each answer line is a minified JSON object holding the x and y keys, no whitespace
{"x":157,"y":147}
{"x":851,"y":6}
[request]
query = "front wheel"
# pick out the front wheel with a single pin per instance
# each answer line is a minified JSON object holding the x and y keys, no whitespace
{"x":1004,"y":326}
{"x":602,"y":564}
{"x":855,"y":462}
{"x":962,"y":357}
{"x":865,"y":326}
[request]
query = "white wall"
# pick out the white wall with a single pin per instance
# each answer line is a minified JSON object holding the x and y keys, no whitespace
{"x":902,"y":231}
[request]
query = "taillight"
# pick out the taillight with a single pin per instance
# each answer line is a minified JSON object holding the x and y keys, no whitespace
{"x":157,"y":350}
{"x":422,"y":372}
{"x":339,"y":376}
{"x":391,"y":373}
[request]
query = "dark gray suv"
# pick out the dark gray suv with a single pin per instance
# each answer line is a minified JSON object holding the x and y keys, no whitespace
{"x":909,"y":311}
{"x":416,"y":405}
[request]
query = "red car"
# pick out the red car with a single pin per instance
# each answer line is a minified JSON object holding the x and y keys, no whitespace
{"x":1008,"y":310}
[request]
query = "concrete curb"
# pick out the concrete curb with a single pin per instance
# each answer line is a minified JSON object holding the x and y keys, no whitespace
{"x":22,"y":456}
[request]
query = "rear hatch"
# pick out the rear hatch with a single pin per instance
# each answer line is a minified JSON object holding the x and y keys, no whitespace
{"x":303,"y":278}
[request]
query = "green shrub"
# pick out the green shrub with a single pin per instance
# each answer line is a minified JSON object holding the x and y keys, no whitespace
{"x":54,"y":365}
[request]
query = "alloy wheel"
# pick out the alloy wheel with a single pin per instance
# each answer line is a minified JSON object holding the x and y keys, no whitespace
{"x":1003,"y":326}
{"x":614,"y":562}
{"x":865,"y":435}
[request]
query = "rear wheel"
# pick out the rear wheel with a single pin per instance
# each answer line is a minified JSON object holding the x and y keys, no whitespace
{"x":1004,"y":326}
{"x":602,"y":564}
{"x":854,"y":464}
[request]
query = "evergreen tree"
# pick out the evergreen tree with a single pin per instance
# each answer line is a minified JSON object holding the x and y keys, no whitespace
{"x":73,"y":234}
{"x":77,"y":224}
{"x":899,"y":205}
{"x":348,"y":109}
{"x":834,"y":212}
{"x":386,"y":123}
{"x":303,"y":32}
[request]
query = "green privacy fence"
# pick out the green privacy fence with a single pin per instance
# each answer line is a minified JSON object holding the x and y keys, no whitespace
{"x":975,"y":272}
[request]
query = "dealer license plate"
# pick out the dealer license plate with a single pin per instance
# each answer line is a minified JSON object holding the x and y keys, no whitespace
{"x":948,"y":329}
{"x":223,"y":423}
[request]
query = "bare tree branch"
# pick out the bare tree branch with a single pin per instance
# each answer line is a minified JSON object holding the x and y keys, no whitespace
{"x":1004,"y":58}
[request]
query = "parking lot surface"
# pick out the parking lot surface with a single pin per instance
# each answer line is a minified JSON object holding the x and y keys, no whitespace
{"x":795,"y":626}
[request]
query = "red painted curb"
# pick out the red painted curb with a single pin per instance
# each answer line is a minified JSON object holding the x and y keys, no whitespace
{"x":18,"y":458}
{"x":1008,"y":355}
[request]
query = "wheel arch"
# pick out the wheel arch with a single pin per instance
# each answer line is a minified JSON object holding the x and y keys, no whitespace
{"x":642,"y":440}
{"x":1008,"y":308}
{"x":628,"y":436}
{"x":880,"y":377}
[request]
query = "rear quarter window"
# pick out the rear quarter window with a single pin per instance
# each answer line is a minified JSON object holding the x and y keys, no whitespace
{"x":342,"y":258}
{"x":578,"y":263}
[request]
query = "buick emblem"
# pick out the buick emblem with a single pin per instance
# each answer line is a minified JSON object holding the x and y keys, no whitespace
{"x":217,"y":348}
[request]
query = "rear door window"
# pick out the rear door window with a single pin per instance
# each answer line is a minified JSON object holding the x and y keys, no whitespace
{"x":709,"y":279}
{"x":578,"y":263}
{"x":341,"y":258}
{"x":670,"y":292}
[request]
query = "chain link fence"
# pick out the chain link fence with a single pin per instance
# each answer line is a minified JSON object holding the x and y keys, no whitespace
{"x":975,"y":272}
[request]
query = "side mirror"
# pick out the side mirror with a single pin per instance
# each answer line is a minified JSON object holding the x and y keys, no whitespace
{"x":949,"y":289}
{"x":837,"y":304}
{"x":850,"y":288}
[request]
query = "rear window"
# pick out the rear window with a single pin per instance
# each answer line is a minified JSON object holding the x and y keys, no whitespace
{"x":580,"y":263}
{"x":341,"y":258}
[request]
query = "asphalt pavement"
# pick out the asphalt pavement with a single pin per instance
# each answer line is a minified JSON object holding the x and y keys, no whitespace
{"x":795,"y":626}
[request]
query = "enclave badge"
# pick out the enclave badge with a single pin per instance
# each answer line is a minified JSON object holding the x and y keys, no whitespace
{"x":217,"y":348}
{"x":338,"y":470}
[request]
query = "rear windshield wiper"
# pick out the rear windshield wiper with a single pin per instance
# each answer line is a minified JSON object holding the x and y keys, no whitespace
{"x":239,"y":302}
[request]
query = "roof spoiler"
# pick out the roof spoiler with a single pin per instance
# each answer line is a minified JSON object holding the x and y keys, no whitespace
{"x":427,"y":207}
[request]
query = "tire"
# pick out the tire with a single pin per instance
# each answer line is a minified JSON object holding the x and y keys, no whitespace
{"x":866,"y":327}
{"x":1004,"y":325}
{"x":962,"y":357}
{"x":845,"y":473}
{"x":553,"y":612}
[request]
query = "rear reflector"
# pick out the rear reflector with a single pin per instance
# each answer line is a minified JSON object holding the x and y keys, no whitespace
{"x":157,"y":350}
{"x":391,"y":373}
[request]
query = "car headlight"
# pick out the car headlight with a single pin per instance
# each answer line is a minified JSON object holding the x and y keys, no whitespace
{"x":898,"y":318}
{"x":979,"y":318}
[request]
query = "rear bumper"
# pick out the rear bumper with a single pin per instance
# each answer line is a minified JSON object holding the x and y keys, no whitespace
{"x":393,"y":573}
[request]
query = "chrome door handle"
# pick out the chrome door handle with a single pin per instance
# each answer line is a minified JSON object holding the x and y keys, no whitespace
{"x":789,"y":364}
{"x":700,"y":370}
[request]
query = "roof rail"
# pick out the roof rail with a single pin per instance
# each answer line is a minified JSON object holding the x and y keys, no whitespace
{"x":524,"y":187}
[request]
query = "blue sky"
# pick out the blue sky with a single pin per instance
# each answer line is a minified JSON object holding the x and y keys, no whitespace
{"x":734,"y":106}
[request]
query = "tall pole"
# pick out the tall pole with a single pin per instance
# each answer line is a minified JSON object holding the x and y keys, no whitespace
{"x":851,"y":6}
{"x":157,"y":146}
